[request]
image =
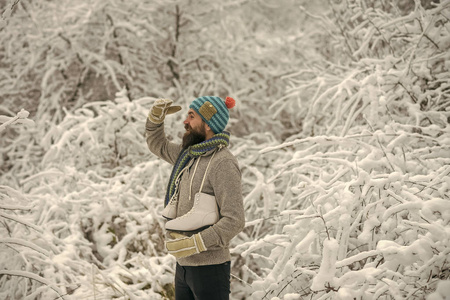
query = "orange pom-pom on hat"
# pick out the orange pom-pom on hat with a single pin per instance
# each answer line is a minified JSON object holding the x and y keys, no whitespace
{"x":230,"y":102}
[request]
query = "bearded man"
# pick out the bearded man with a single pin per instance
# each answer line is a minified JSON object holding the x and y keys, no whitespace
{"x":203,"y":202}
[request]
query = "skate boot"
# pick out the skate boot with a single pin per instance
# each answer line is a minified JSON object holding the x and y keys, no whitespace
{"x":203,"y":213}
{"x":170,"y":211}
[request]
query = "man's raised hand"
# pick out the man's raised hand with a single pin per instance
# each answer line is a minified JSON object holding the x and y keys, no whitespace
{"x":160,"y":109}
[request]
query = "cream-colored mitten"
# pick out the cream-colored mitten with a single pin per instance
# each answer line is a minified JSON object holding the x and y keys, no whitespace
{"x":160,"y":109}
{"x":183,"y":246}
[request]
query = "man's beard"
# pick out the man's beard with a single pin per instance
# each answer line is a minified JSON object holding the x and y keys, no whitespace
{"x":193,"y":136}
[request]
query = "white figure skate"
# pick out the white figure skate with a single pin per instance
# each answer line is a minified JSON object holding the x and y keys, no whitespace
{"x":203,"y":213}
{"x":170,"y":211}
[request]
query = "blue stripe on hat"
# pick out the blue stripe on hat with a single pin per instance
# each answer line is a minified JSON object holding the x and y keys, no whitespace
{"x":220,"y":119}
{"x":222,"y":112}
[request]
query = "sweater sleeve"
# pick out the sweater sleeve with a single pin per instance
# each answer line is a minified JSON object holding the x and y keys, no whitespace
{"x":226,"y":183}
{"x":158,"y":143}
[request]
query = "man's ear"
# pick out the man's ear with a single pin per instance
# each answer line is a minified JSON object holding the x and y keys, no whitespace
{"x":208,"y":131}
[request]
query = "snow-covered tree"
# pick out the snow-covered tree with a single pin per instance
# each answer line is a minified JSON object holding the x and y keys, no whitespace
{"x":341,"y":131}
{"x":362,"y":191}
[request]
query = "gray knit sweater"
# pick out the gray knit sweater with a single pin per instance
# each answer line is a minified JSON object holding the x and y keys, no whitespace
{"x":223,"y":181}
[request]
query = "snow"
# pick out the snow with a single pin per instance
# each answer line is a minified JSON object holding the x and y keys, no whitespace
{"x":327,"y":269}
{"x":343,"y":142}
{"x":442,"y":289}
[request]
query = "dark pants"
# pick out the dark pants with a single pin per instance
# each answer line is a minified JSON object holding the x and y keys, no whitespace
{"x":203,"y":282}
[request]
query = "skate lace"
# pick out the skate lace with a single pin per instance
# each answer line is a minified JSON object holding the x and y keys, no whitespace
{"x":173,"y":200}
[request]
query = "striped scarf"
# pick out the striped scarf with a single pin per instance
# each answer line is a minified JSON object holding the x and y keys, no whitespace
{"x":193,"y":151}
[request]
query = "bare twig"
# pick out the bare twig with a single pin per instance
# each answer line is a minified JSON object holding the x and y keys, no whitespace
{"x":171,"y":62}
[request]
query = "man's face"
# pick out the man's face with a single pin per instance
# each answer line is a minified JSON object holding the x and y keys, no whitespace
{"x":195,"y":129}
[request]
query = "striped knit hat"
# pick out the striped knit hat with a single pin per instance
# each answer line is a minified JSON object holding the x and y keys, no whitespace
{"x":214,"y":111}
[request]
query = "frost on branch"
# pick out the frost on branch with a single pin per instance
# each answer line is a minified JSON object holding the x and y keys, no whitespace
{"x":20,"y":118}
{"x":340,"y":128}
{"x":368,"y":170}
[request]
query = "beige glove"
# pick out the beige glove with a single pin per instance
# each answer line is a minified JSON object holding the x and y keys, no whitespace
{"x":160,"y":109}
{"x":183,"y":246}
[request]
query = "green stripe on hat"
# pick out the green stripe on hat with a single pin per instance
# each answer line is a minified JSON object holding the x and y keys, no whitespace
{"x":219,"y":120}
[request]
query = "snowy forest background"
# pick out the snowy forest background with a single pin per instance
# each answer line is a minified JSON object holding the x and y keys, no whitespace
{"x":341,"y":129}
